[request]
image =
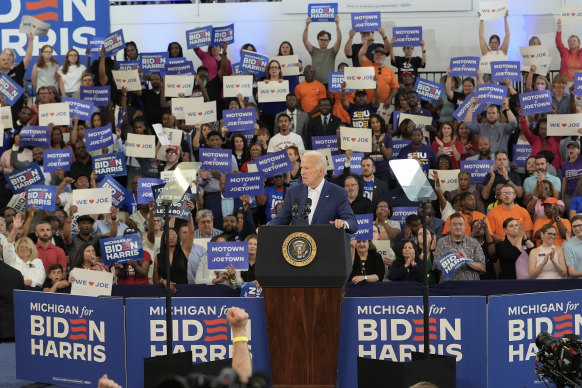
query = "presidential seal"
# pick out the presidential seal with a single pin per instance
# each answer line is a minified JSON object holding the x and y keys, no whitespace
{"x":299,"y":249}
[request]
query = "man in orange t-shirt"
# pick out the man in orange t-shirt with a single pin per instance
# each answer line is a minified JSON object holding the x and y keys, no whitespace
{"x":468,"y":205}
{"x":552,"y":217}
{"x":309,"y":92}
{"x":507,"y":209}
{"x":386,"y":80}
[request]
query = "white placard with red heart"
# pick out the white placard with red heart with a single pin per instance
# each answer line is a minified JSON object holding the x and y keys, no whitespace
{"x":535,"y":55}
{"x":199,"y":113}
{"x":491,"y":10}
{"x":359,"y":77}
{"x":289,"y":64}
{"x":128,"y":78}
{"x":232,"y":85}
{"x":178,"y":105}
{"x":564,"y":125}
{"x":571,"y":14}
{"x":57,"y":114}
{"x":449,"y":179}
{"x":176,"y":84}
{"x":273,"y":91}
{"x":91,"y":283}
{"x":92,"y":201}
{"x":30,"y":24}
{"x":140,"y":146}
{"x":356,"y":139}
{"x":252,"y":167}
{"x":6,"y":113}
{"x":491,"y":56}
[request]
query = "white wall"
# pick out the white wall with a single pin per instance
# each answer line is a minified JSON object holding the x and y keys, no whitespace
{"x":266,"y":25}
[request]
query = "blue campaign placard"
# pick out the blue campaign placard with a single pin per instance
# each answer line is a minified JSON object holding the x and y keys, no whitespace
{"x":399,"y":213}
{"x":120,"y":118}
{"x":179,"y":66}
{"x":240,"y":120}
{"x":219,"y":160}
{"x":41,"y":197}
{"x":250,"y":290}
{"x":464,"y":66}
{"x":70,"y":339}
{"x":336,"y":79}
{"x":391,"y":328}
{"x":365,"y":231}
{"x":57,"y":159}
{"x":30,"y":175}
{"x":35,"y":136}
{"x":144,"y":189}
{"x":83,"y":109}
{"x":461,"y":112}
{"x":10,"y":90}
{"x":113,"y":43}
{"x":97,"y":138}
{"x":513,"y":323}
{"x":477,"y":168}
{"x":520,"y":154}
{"x":237,"y":185}
{"x":397,"y":146}
{"x":274,"y":163}
{"x":223,"y":34}
{"x":98,"y":95}
{"x":451,"y":262}
{"x":407,"y":36}
{"x":339,"y":163}
{"x":118,"y":193}
{"x":428,"y":90}
{"x":203,"y":328}
{"x":578,"y":83}
{"x":128,"y":65}
{"x":322,"y":12}
{"x":199,"y":37}
{"x":223,"y":254}
{"x":121,"y":249}
{"x":538,"y":101}
{"x":109,"y":164}
{"x":506,"y":69}
{"x":94,"y":46}
{"x":491,"y":94}
{"x":153,"y":62}
{"x":236,"y":69}
{"x":323,"y":142}
{"x":178,"y":210}
{"x":366,"y":21}
{"x":253,"y":63}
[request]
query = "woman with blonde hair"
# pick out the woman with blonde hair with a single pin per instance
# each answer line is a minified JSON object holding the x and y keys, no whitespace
{"x":23,"y":255}
{"x":44,"y":72}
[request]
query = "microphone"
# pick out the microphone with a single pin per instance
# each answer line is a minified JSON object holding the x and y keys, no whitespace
{"x":307,"y":208}
{"x":295,"y":207}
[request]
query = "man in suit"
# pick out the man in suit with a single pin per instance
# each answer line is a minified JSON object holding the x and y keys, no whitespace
{"x":322,"y":125}
{"x":217,"y":203}
{"x":299,"y":119}
{"x":329,"y":202}
{"x":375,"y":189}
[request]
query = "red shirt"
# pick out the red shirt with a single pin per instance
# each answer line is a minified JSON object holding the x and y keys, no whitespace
{"x":131,"y":279}
{"x":51,"y":255}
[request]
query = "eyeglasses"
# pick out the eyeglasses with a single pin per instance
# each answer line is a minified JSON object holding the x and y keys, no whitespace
{"x":551,"y":234}
{"x":351,"y":185}
{"x":576,"y":226}
{"x":507,"y":193}
{"x":323,"y":40}
{"x":255,"y":151}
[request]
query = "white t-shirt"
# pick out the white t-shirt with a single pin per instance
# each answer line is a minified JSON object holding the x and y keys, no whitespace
{"x":72,"y":80}
{"x":280,"y":142}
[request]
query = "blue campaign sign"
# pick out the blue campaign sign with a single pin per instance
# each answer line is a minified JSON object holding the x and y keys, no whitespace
{"x":55,"y":159}
{"x":514,"y":321}
{"x":83,"y":109}
{"x":491,"y":94}
{"x":323,"y":142}
{"x":144,"y":189}
{"x":464,"y":66}
{"x":538,"y":101}
{"x":128,"y":65}
{"x":365,"y":231}
{"x":94,"y":46}
{"x":391,"y":328}
{"x":397,"y":146}
{"x":223,"y":254}
{"x":506,"y":69}
{"x":41,"y":197}
{"x":477,"y":168}
{"x":451,"y":262}
{"x":400,"y":213}
{"x":153,"y":62}
{"x":240,"y":120}
{"x":109,"y":164}
{"x":407,"y":36}
{"x":118,"y":193}
{"x":30,"y":175}
{"x":428,"y":90}
{"x":520,"y":154}
{"x":253,"y":63}
{"x":203,"y":328}
{"x":461,"y":112}
{"x":339,"y":163}
{"x":35,"y":136}
{"x":97,"y":138}
{"x":336,"y":79}
{"x":199,"y":37}
{"x":250,"y":290}
{"x":113,"y":43}
{"x":121,"y":249}
{"x":366,"y":21}
{"x":274,"y":163}
{"x":70,"y":339}
{"x":237,"y":185}
{"x":236,"y":69}
{"x":578,"y":84}
{"x":219,"y":160}
{"x":9,"y":89}
{"x":223,"y":34}
{"x":179,"y":66}
{"x":322,"y":12}
{"x":98,"y":95}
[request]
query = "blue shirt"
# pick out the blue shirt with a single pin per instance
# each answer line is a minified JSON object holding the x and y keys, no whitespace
{"x":194,"y":258}
{"x":274,"y":196}
{"x":573,"y":253}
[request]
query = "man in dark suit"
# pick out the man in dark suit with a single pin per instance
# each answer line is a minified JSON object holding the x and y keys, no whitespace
{"x":323,"y":125}
{"x":329,"y":202}
{"x":214,"y":202}
{"x":10,"y":279}
{"x":375,"y":189}
{"x":298,"y":118}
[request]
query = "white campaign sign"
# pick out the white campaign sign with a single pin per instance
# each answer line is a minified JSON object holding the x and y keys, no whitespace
{"x":491,"y":10}
{"x":449,"y":179}
{"x":359,"y":77}
{"x":31,"y":24}
{"x":534,"y":55}
{"x":356,"y":139}
{"x":57,"y":114}
{"x":161,"y":135}
{"x":91,"y":283}
{"x":273,"y":91}
{"x":140,"y":146}
{"x":252,"y":167}
{"x":289,"y":64}
{"x":178,"y":105}
{"x":128,"y":78}
{"x":491,"y":56}
{"x":92,"y":201}
{"x":6,"y":113}
{"x":564,"y":125}
{"x":233,"y":85}
{"x":174,"y":136}
{"x":418,"y":120}
{"x":197,"y":113}
{"x":176,"y":84}
{"x":326,"y":152}
{"x":571,"y":14}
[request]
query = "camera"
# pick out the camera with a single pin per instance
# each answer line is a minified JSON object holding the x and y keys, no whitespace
{"x":559,"y":360}
{"x":227,"y":378}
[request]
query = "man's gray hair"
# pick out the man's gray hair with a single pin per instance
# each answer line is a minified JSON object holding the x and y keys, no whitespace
{"x":320,"y":158}
{"x":204,"y":213}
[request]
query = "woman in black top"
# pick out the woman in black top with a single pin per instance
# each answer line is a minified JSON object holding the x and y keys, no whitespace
{"x":509,"y":250}
{"x":408,"y":266}
{"x":367,"y":262}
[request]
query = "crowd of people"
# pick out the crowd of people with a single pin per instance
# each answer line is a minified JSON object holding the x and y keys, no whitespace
{"x":521,"y":222}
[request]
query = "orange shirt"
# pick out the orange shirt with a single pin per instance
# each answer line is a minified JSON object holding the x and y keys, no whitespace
{"x":476,"y":216}
{"x":542,"y":221}
{"x":310,"y":93}
{"x":499,"y":214}
{"x":338,"y":109}
{"x":386,"y":80}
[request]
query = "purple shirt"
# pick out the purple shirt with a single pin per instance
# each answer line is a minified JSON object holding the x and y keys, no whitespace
{"x":572,"y":172}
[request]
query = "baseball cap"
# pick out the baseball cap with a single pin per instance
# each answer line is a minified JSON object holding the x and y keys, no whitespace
{"x":550,"y":201}
{"x":173,"y":148}
{"x":361,"y":91}
{"x":573,"y":143}
{"x":85,"y":218}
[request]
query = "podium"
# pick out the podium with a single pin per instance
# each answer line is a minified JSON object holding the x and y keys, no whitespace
{"x":303,"y":270}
